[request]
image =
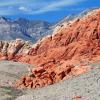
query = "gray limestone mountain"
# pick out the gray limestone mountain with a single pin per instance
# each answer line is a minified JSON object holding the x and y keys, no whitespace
{"x":31,"y":30}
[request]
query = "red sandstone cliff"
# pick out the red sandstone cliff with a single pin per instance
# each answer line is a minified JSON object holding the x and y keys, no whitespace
{"x":60,"y":56}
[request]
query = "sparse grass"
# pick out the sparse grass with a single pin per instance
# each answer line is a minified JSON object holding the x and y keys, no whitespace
{"x":10,"y":93}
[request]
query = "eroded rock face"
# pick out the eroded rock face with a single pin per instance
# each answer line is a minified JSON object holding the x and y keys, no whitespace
{"x":57,"y":56}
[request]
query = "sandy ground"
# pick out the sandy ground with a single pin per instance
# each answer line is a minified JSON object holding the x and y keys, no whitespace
{"x":83,"y":87}
{"x":9,"y":73}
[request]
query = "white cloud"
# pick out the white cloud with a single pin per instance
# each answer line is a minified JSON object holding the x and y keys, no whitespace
{"x":56,"y":5}
{"x":23,"y":8}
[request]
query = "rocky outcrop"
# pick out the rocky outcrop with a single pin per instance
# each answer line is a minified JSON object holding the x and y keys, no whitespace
{"x":40,"y":77}
{"x":8,"y":50}
{"x":76,"y":43}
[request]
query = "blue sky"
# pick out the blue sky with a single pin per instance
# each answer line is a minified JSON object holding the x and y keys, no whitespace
{"x":49,"y":10}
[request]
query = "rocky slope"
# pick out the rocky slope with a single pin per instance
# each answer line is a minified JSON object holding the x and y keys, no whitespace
{"x":23,"y":28}
{"x":60,"y":56}
{"x":83,"y":87}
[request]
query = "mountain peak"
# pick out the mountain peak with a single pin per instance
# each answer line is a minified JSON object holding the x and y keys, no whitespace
{"x":3,"y":19}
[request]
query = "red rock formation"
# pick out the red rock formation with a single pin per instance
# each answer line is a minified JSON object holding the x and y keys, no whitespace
{"x":76,"y":43}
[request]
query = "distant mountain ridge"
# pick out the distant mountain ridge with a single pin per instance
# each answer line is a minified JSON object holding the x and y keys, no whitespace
{"x":33,"y":30}
{"x":30,"y":30}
